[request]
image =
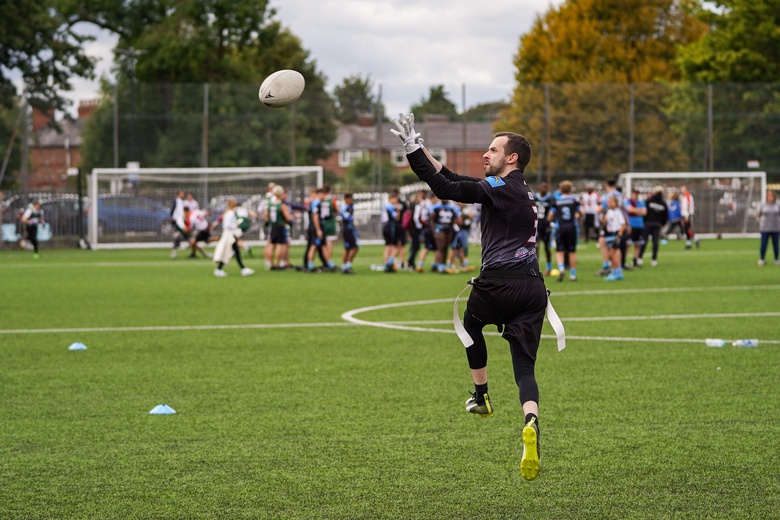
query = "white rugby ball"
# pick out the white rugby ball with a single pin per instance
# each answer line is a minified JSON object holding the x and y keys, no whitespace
{"x":281,"y":88}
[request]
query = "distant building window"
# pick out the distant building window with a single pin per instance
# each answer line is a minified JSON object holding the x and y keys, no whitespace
{"x":347,"y":157}
{"x":398,"y":155}
{"x":440,"y":154}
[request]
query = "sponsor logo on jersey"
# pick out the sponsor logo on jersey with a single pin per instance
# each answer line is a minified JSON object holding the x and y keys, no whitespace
{"x":522,"y":253}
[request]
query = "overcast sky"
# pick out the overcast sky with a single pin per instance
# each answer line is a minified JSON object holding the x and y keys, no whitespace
{"x":406,"y":46}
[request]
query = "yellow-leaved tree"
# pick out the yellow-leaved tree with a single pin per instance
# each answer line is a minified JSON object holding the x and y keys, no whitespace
{"x":591,"y":78}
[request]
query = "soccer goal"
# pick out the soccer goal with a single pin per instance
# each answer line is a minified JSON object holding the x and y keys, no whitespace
{"x":132,"y":207}
{"x":725,"y":203}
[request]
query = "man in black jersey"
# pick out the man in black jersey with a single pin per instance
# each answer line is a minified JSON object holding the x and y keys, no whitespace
{"x":509,"y":291}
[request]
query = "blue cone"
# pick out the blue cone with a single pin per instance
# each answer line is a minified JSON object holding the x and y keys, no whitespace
{"x":77,"y":346}
{"x":162,"y":409}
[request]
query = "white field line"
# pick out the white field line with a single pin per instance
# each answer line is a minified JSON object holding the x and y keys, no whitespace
{"x":626,"y":318}
{"x":163,"y":328}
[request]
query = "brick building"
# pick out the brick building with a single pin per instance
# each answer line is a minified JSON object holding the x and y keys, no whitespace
{"x":460,"y":147}
{"x":53,"y":151}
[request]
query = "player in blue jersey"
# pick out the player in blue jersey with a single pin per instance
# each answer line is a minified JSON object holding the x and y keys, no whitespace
{"x":444,"y":216}
{"x":675,"y":223}
{"x":544,"y":201}
{"x":350,"y":234}
{"x":566,"y":212}
{"x":636,"y":209}
{"x":509,"y":291}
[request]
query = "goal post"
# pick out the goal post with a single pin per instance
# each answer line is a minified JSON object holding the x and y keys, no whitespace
{"x":130,"y":207}
{"x":725,"y":203}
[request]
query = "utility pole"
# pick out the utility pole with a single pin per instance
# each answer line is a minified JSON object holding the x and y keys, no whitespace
{"x":132,"y":56}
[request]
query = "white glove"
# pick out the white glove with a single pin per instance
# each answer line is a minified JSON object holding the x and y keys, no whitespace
{"x":406,"y":133}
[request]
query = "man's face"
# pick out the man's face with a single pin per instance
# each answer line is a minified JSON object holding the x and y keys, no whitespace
{"x":495,"y":160}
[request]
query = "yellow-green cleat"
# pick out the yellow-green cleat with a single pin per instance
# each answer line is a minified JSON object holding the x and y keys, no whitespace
{"x":531,"y":461}
{"x":479,"y":404}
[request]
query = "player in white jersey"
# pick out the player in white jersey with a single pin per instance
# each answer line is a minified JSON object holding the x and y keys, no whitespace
{"x":590,"y":202}
{"x":231,"y":232}
{"x":200,"y":232}
{"x":614,"y":228}
{"x":179,"y":226}
{"x":606,"y":249}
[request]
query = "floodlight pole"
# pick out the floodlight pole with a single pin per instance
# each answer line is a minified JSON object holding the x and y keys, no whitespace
{"x":132,"y":55}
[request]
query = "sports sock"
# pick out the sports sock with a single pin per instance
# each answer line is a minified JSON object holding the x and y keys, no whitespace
{"x":310,"y":265}
{"x":331,"y":264}
{"x":530,"y":416}
{"x":573,"y":271}
{"x":481,"y":389}
{"x":220,"y":265}
{"x":549,"y":266}
{"x":561,"y":267}
{"x":605,"y":265}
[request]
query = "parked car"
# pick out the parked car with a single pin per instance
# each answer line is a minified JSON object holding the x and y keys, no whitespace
{"x":116,"y":215}
{"x":120,"y":214}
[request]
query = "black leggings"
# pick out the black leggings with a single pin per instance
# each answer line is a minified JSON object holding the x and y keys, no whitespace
{"x":522,"y":363}
{"x":651,"y":231}
{"x":32,"y":235}
{"x":414,"y":233}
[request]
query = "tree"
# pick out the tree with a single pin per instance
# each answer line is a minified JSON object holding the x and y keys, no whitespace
{"x":354,"y":98}
{"x":740,"y":59}
{"x":743,"y":45}
{"x":38,"y":43}
{"x":485,"y":111}
{"x":593,"y":50}
{"x":229,"y":44}
{"x":437,"y":104}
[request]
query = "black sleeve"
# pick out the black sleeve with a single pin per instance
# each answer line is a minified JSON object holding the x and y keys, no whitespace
{"x":445,"y":184}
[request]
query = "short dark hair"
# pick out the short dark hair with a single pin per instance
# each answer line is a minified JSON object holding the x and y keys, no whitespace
{"x":347,"y":195}
{"x":612,"y":182}
{"x":518,"y":144}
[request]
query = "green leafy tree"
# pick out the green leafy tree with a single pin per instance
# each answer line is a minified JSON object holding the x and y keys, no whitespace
{"x":589,"y":52}
{"x":485,"y":111}
{"x":740,"y":57}
{"x":437,"y":104}
{"x":231,"y":45}
{"x":39,"y":44}
{"x":354,"y":98}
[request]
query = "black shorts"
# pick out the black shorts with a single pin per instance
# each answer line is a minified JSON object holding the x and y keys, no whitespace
{"x":518,"y":304}
{"x":390,"y":235}
{"x":279,"y":234}
{"x":311,"y":237}
{"x":350,"y":238}
{"x":203,"y":236}
{"x":566,"y":240}
{"x":590,"y":221}
{"x":637,"y":236}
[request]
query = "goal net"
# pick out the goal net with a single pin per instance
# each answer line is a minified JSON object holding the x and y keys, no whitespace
{"x":725,"y":203}
{"x":132,"y":207}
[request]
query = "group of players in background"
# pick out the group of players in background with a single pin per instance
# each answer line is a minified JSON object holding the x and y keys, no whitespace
{"x":623,"y":226}
{"x":617,"y":222}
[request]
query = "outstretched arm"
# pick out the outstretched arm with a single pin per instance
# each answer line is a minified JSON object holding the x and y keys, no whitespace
{"x":445,"y":184}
